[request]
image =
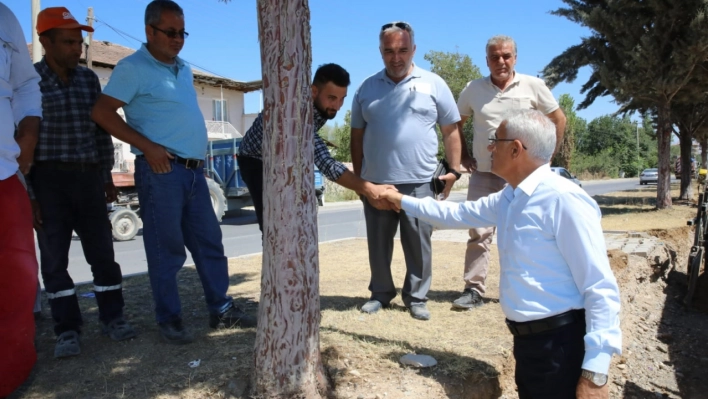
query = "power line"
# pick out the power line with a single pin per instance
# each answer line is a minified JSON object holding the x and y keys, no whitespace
{"x":123,"y":34}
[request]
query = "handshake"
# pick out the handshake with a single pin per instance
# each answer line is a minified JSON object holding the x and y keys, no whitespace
{"x":384,"y":197}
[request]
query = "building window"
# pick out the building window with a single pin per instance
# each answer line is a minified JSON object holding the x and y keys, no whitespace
{"x":218,"y":107}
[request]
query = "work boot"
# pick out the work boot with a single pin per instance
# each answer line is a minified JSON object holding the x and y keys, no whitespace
{"x":232,"y":317}
{"x":174,"y":333}
{"x":67,"y":345}
{"x":119,"y":330}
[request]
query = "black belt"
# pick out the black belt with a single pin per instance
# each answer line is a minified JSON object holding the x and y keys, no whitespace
{"x":547,"y":324}
{"x":188,"y":163}
{"x":68,"y":166}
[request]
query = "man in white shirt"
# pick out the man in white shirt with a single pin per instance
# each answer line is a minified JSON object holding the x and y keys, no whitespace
{"x":557,"y":290}
{"x":21,"y":107}
{"x":485,"y":100}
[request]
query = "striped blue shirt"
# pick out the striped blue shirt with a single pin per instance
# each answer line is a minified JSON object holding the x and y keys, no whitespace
{"x":552,"y":254}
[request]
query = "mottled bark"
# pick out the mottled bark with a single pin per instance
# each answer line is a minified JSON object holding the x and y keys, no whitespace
{"x":287,"y":362}
{"x":685,"y":143}
{"x":565,"y":151}
{"x":663,"y":140}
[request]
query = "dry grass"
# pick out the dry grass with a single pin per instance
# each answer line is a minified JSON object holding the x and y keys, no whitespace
{"x":473,"y":348}
{"x":636,"y":210}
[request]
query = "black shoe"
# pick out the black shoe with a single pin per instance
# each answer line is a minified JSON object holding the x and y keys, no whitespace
{"x":419,"y":311}
{"x":174,"y":333}
{"x":233,"y":317}
{"x":470,"y":299}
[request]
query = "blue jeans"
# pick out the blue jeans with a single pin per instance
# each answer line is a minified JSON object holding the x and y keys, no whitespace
{"x":176,"y":211}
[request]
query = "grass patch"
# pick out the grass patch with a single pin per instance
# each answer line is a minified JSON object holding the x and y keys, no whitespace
{"x":636,"y":210}
{"x":361,"y":352}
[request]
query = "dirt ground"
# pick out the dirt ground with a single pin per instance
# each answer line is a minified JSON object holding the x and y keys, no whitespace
{"x":665,"y":346}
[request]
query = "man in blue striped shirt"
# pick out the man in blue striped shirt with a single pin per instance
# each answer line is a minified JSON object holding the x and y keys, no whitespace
{"x":557,"y":290}
{"x":329,"y":88}
{"x":71,"y":183}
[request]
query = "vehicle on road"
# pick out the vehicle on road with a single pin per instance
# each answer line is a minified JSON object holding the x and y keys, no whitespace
{"x":226,"y":189}
{"x":226,"y":186}
{"x":564,"y":172}
{"x":649,"y":176}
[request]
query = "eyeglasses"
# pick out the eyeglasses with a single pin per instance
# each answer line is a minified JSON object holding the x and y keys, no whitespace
{"x":401,"y":25}
{"x":494,"y":142}
{"x":172,"y":34}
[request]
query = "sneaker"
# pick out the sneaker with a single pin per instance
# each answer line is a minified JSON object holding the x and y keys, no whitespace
{"x":233,"y":317}
{"x":419,"y":311}
{"x":372,"y":306}
{"x":174,"y":333}
{"x":470,"y":299}
{"x":119,"y":330}
{"x":67,"y":345}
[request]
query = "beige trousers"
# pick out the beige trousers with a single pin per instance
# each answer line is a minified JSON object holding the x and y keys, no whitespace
{"x":477,"y":255}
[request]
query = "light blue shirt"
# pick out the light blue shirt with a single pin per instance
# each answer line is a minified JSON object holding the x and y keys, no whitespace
{"x":160,"y":103}
{"x":400,"y":141}
{"x":552,"y":254}
{"x":19,"y":89}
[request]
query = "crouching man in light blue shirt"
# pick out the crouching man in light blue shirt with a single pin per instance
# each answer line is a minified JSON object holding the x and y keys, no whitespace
{"x":557,"y":290}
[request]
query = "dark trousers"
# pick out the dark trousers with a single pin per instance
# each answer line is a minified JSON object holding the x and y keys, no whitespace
{"x":548,"y":364}
{"x":75,"y":200}
{"x":252,"y":174}
{"x":381,"y":228}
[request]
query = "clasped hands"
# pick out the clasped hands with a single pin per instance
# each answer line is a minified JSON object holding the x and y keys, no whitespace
{"x":386,"y":197}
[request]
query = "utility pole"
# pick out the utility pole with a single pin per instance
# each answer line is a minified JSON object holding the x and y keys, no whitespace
{"x":638,"y":164}
{"x":36,"y":47}
{"x":89,"y":38}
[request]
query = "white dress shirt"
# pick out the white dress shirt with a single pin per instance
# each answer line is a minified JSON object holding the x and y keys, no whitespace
{"x":552,"y":254}
{"x":19,"y":89}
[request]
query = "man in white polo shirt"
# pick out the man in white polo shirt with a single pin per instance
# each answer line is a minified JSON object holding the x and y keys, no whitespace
{"x":486,"y":100}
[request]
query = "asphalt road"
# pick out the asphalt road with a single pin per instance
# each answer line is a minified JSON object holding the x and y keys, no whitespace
{"x":241,"y":236}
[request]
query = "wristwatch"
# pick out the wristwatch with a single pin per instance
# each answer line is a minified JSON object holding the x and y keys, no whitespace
{"x":596,"y":378}
{"x":455,"y":173}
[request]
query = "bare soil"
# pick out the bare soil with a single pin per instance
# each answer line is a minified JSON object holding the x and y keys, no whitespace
{"x":665,"y":345}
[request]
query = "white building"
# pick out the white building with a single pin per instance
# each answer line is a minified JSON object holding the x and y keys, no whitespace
{"x":221,"y":100}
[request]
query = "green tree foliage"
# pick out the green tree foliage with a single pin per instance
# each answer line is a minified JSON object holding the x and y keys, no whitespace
{"x":643,"y":53}
{"x":565,"y":152}
{"x":456,"y":70}
{"x":608,"y":145}
{"x":341,"y":136}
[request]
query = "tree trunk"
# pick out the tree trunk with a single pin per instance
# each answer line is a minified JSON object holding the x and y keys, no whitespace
{"x":685,"y":141}
{"x":565,"y":149}
{"x":704,"y":152}
{"x":663,"y":139}
{"x":287,"y":362}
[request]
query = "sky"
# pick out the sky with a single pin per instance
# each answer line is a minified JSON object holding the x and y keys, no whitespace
{"x":223,"y":37}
